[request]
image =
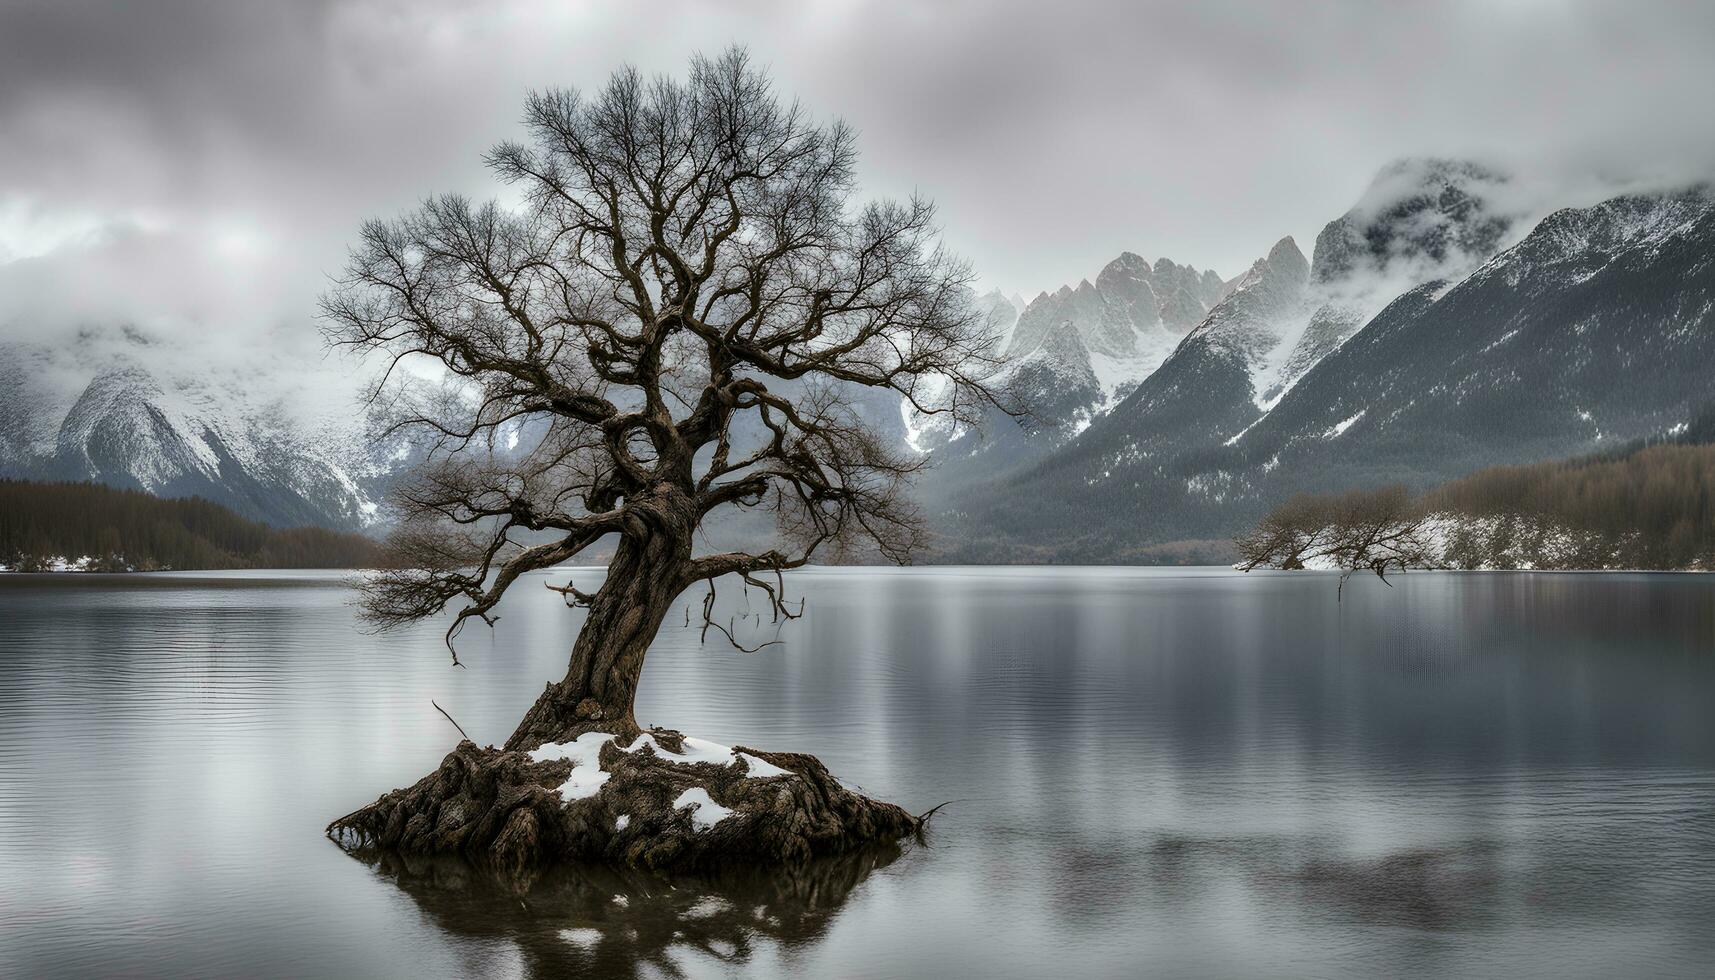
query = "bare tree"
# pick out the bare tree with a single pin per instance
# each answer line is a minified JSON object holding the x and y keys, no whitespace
{"x":1287,"y":535}
{"x":686,"y":299}
{"x":1379,"y":531}
{"x":1364,"y":530}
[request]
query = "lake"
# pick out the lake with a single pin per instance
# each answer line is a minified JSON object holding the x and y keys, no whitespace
{"x":1153,"y":772}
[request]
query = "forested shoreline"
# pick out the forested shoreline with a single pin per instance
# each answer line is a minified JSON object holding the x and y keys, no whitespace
{"x":1648,"y":506}
{"x":89,"y":527}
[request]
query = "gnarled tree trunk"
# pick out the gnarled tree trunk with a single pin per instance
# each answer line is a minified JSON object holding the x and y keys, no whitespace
{"x":647,"y":573}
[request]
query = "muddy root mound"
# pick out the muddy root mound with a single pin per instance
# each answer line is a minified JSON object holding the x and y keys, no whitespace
{"x":663,"y":801}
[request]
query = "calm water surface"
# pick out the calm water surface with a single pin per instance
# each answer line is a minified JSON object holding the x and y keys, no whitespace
{"x":1157,"y":772}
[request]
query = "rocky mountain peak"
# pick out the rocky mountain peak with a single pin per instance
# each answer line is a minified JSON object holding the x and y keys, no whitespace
{"x":1129,"y":267}
{"x":1595,"y":328}
{"x":1285,"y":260}
{"x":998,"y":312}
{"x":1283,"y":267}
{"x":1123,"y":313}
{"x":1064,"y":345}
{"x":125,"y":430}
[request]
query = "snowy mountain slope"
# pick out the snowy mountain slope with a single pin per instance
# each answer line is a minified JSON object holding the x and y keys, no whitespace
{"x":1420,"y":220}
{"x":125,"y":429}
{"x":31,"y":405}
{"x":1057,"y":381}
{"x":1129,"y":319}
{"x":194,"y":432}
{"x":1001,"y":312}
{"x":1204,"y":389}
{"x":1599,"y":326}
{"x":1071,"y":355}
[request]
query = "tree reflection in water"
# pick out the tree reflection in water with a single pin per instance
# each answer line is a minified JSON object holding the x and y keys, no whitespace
{"x":606,"y":921}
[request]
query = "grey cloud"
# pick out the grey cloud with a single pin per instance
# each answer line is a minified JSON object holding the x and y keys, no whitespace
{"x":223,"y":152}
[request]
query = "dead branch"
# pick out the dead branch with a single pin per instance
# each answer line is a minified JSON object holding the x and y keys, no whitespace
{"x":448,"y":717}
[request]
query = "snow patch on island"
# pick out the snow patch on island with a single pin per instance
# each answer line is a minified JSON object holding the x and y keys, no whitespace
{"x":587,"y":777}
{"x":760,"y":769}
{"x":706,"y":812}
{"x":697,"y":750}
{"x":584,"y":752}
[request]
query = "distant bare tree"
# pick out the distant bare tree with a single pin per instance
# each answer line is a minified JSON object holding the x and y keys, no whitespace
{"x":1364,"y":530}
{"x":1380,"y":531}
{"x":1287,"y":535}
{"x":686,"y":299}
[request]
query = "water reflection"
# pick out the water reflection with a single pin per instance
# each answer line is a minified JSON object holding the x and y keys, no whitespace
{"x":1453,"y":886}
{"x":597,"y":921}
{"x":1188,"y":773}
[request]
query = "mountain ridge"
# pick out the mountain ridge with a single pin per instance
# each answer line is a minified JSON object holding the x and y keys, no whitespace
{"x":1593,"y":323}
{"x":196,"y":433}
{"x":1437,"y":326}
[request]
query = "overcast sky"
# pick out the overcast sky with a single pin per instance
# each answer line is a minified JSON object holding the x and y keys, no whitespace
{"x":176,"y":162}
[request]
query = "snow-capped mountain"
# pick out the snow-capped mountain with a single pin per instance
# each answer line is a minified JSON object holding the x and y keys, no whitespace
{"x":1057,"y":381}
{"x":1598,"y":327}
{"x":1070,"y":355}
{"x":1418,"y":221}
{"x":1128,"y":320}
{"x":1437,"y":328}
{"x":1206,"y":387}
{"x":1435,"y":332}
{"x":1001,"y":312}
{"x":191,"y":433}
{"x":31,"y":406}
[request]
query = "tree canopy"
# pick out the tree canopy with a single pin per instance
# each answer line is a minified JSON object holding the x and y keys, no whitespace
{"x":682,"y":301}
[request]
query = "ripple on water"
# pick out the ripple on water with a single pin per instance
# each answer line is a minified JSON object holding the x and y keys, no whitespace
{"x":1183,"y":773}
